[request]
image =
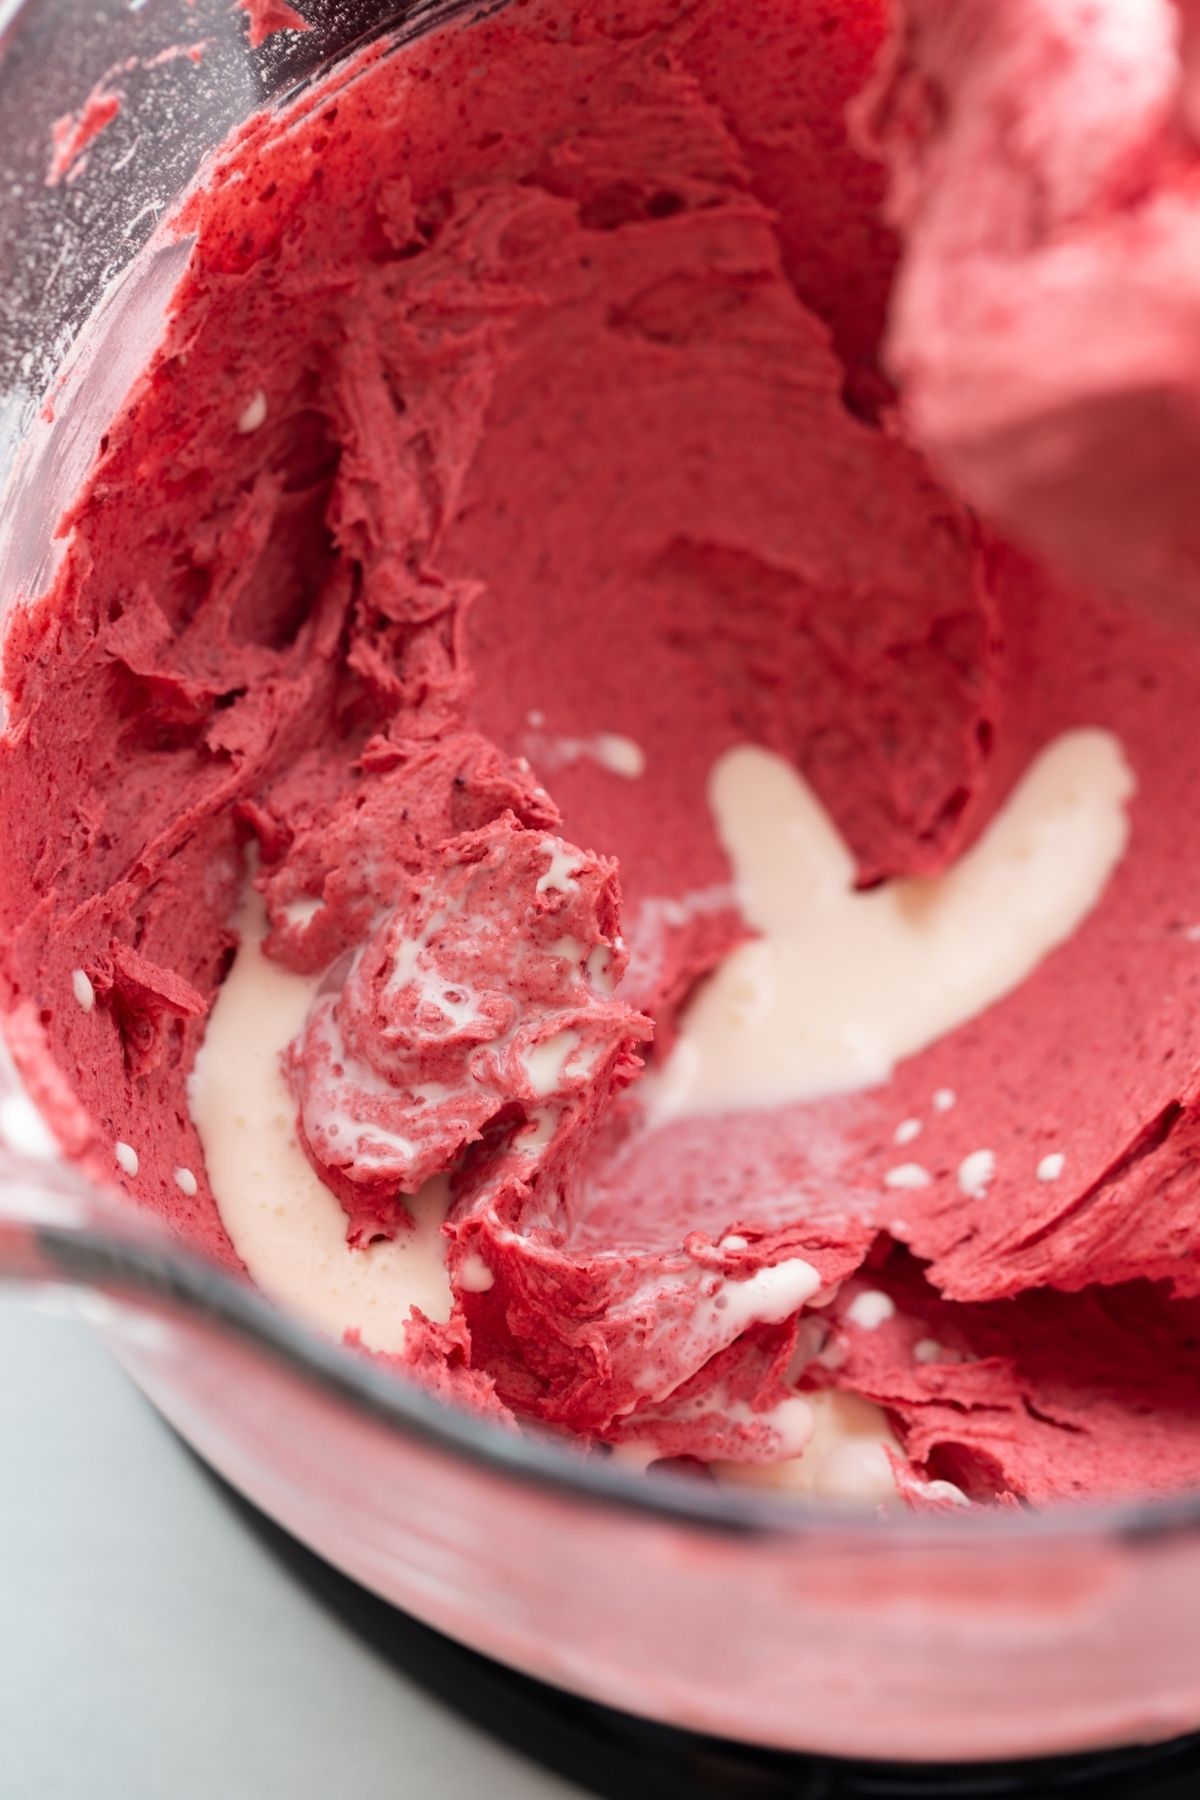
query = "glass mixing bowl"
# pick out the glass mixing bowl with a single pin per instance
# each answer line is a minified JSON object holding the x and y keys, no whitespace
{"x":984,"y":1635}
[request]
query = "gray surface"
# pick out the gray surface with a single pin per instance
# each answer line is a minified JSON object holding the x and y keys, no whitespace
{"x":149,"y":1650}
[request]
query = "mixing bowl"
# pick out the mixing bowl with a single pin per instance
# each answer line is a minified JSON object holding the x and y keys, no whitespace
{"x":990,"y":1634}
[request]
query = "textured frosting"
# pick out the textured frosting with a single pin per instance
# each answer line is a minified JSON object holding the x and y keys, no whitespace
{"x":531,"y":375}
{"x":1044,"y":164}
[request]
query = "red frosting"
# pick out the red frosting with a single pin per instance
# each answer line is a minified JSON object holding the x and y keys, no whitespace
{"x":433,"y":1034}
{"x":1045,"y":169}
{"x":1048,"y":1396}
{"x":73,"y":133}
{"x":269,"y":16}
{"x":565,"y":326}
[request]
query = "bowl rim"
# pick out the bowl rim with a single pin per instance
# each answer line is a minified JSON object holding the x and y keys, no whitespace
{"x":148,"y":1270}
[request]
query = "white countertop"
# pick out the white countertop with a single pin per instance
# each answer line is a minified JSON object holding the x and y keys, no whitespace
{"x":151,"y":1650}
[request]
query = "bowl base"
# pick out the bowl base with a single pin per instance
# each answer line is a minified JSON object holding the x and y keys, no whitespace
{"x":617,"y":1756}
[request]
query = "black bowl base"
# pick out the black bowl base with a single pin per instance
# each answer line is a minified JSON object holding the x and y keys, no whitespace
{"x":617,"y":1756}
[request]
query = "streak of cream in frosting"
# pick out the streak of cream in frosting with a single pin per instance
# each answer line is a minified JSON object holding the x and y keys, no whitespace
{"x":840,"y":985}
{"x":284,"y":1223}
{"x":610,"y":750}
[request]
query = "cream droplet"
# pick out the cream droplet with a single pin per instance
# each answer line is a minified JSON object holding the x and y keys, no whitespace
{"x":253,"y":414}
{"x":185,"y":1181}
{"x":946,"y":1490}
{"x":127,"y":1157}
{"x":871,"y":1309}
{"x":474,"y":1277}
{"x":907,"y":1175}
{"x":855,"y":1470}
{"x":82,"y":989}
{"x":825,"y":1296}
{"x":944,"y":1099}
{"x":975,"y":1173}
{"x":24,"y":1129}
{"x":1052,"y":1166}
{"x":906,"y":1131}
{"x":619,"y":755}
